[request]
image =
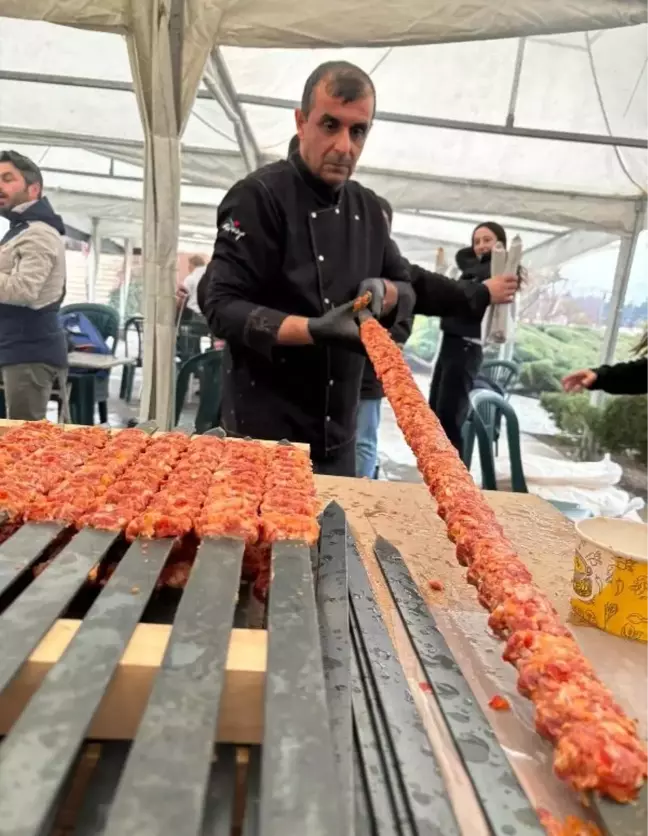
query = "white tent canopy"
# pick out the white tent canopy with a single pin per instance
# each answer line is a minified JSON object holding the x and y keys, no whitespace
{"x":337,"y":23}
{"x":545,"y":129}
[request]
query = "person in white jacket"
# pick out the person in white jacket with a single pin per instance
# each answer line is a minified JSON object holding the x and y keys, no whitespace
{"x":33,"y":345}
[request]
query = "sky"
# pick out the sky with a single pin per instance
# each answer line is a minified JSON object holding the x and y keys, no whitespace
{"x":593,"y":273}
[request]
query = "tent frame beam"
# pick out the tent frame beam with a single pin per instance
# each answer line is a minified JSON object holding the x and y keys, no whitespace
{"x":620,"y":286}
{"x":460,"y":125}
{"x":131,"y":151}
{"x":218,"y":81}
{"x":35,"y":136}
{"x":383,"y":116}
{"x":476,"y":218}
{"x":515,"y":85}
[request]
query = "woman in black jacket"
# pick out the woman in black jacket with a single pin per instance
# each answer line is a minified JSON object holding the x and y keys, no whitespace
{"x":621,"y":379}
{"x":460,"y":357}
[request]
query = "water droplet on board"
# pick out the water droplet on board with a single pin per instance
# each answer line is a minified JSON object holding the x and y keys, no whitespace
{"x":474,"y":749}
{"x":446,"y":691}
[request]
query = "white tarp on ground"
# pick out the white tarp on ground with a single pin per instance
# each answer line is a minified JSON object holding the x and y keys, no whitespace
{"x":592,"y":485}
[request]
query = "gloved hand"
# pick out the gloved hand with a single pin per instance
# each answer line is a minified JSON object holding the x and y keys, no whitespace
{"x":339,"y":325}
{"x":377,"y":289}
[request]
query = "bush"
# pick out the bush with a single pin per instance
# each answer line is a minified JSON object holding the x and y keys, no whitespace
{"x":546,"y":353}
{"x":618,"y":427}
{"x":622,"y":426}
{"x":563,"y":335}
{"x":539,"y":376}
{"x":574,"y":415}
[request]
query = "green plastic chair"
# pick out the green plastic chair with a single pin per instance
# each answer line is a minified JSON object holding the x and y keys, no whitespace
{"x":487,"y":409}
{"x":134,"y":323}
{"x":482,"y":426}
{"x":106,"y":320}
{"x":504,"y":373}
{"x":207,"y":368}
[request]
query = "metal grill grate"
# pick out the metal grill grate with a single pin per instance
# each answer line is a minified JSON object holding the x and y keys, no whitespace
{"x":344,"y":750}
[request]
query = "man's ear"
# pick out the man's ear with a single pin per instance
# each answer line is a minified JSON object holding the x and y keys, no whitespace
{"x":300,"y":121}
{"x":34,"y":191}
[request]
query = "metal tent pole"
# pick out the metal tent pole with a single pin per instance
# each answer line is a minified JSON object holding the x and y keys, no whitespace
{"x":619,"y":288}
{"x":126,"y":281}
{"x":93,"y":260}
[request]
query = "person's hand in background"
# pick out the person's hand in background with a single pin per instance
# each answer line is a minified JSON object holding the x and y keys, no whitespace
{"x":580,"y":380}
{"x":502,"y":288}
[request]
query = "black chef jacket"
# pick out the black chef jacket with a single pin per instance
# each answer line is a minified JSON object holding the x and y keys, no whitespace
{"x":288,"y":243}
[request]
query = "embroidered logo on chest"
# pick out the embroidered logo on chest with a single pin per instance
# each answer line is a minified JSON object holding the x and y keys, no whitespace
{"x":232,"y":227}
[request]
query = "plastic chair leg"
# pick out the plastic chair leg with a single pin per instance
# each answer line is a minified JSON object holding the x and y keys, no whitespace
{"x":103,"y":412}
{"x":123,"y":386}
{"x":128,"y":380}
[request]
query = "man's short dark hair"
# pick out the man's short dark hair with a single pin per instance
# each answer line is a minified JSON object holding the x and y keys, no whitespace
{"x":343,"y":81}
{"x":293,"y":145}
{"x":29,"y":170}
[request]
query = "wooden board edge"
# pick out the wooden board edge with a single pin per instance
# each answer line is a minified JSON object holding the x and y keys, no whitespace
{"x":241,"y":712}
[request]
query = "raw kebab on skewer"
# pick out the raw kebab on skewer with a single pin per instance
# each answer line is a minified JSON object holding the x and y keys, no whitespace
{"x":75,"y":494}
{"x":288,"y":510}
{"x":215,"y":491}
{"x":36,"y":458}
{"x":596,"y":744}
{"x":162,"y":487}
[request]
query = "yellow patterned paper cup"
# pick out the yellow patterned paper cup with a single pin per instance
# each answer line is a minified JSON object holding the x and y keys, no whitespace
{"x":611,"y":576}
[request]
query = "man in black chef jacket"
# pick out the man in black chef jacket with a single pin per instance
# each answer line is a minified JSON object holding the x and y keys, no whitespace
{"x":298,"y":240}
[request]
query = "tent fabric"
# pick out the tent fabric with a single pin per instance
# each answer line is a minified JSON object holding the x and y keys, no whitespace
{"x":311,"y":23}
{"x":416,"y":166}
{"x":149,"y":51}
{"x":164,"y":108}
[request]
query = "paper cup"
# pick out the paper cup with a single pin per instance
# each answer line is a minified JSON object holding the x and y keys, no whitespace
{"x":611,"y":576}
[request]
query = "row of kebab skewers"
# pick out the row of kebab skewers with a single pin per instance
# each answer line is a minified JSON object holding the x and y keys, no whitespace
{"x":167,"y":486}
{"x":171,"y":486}
{"x":596,"y":744}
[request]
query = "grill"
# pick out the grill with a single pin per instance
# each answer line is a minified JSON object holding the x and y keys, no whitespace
{"x":169,"y":743}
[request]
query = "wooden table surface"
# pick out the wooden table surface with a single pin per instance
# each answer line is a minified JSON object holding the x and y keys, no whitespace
{"x":404,"y":514}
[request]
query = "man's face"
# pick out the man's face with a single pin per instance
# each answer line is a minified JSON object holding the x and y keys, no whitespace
{"x":333,"y":134}
{"x":13,"y":189}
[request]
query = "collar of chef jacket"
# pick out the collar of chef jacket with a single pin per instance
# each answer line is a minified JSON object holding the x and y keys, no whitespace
{"x":328,"y":194}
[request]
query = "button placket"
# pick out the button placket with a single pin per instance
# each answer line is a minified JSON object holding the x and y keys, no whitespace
{"x":322,"y":260}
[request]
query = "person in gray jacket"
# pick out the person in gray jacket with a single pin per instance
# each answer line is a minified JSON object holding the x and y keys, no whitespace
{"x":33,"y":345}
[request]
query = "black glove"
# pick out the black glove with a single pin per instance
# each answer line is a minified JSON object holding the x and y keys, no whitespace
{"x":339,"y":325}
{"x":377,"y":289}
